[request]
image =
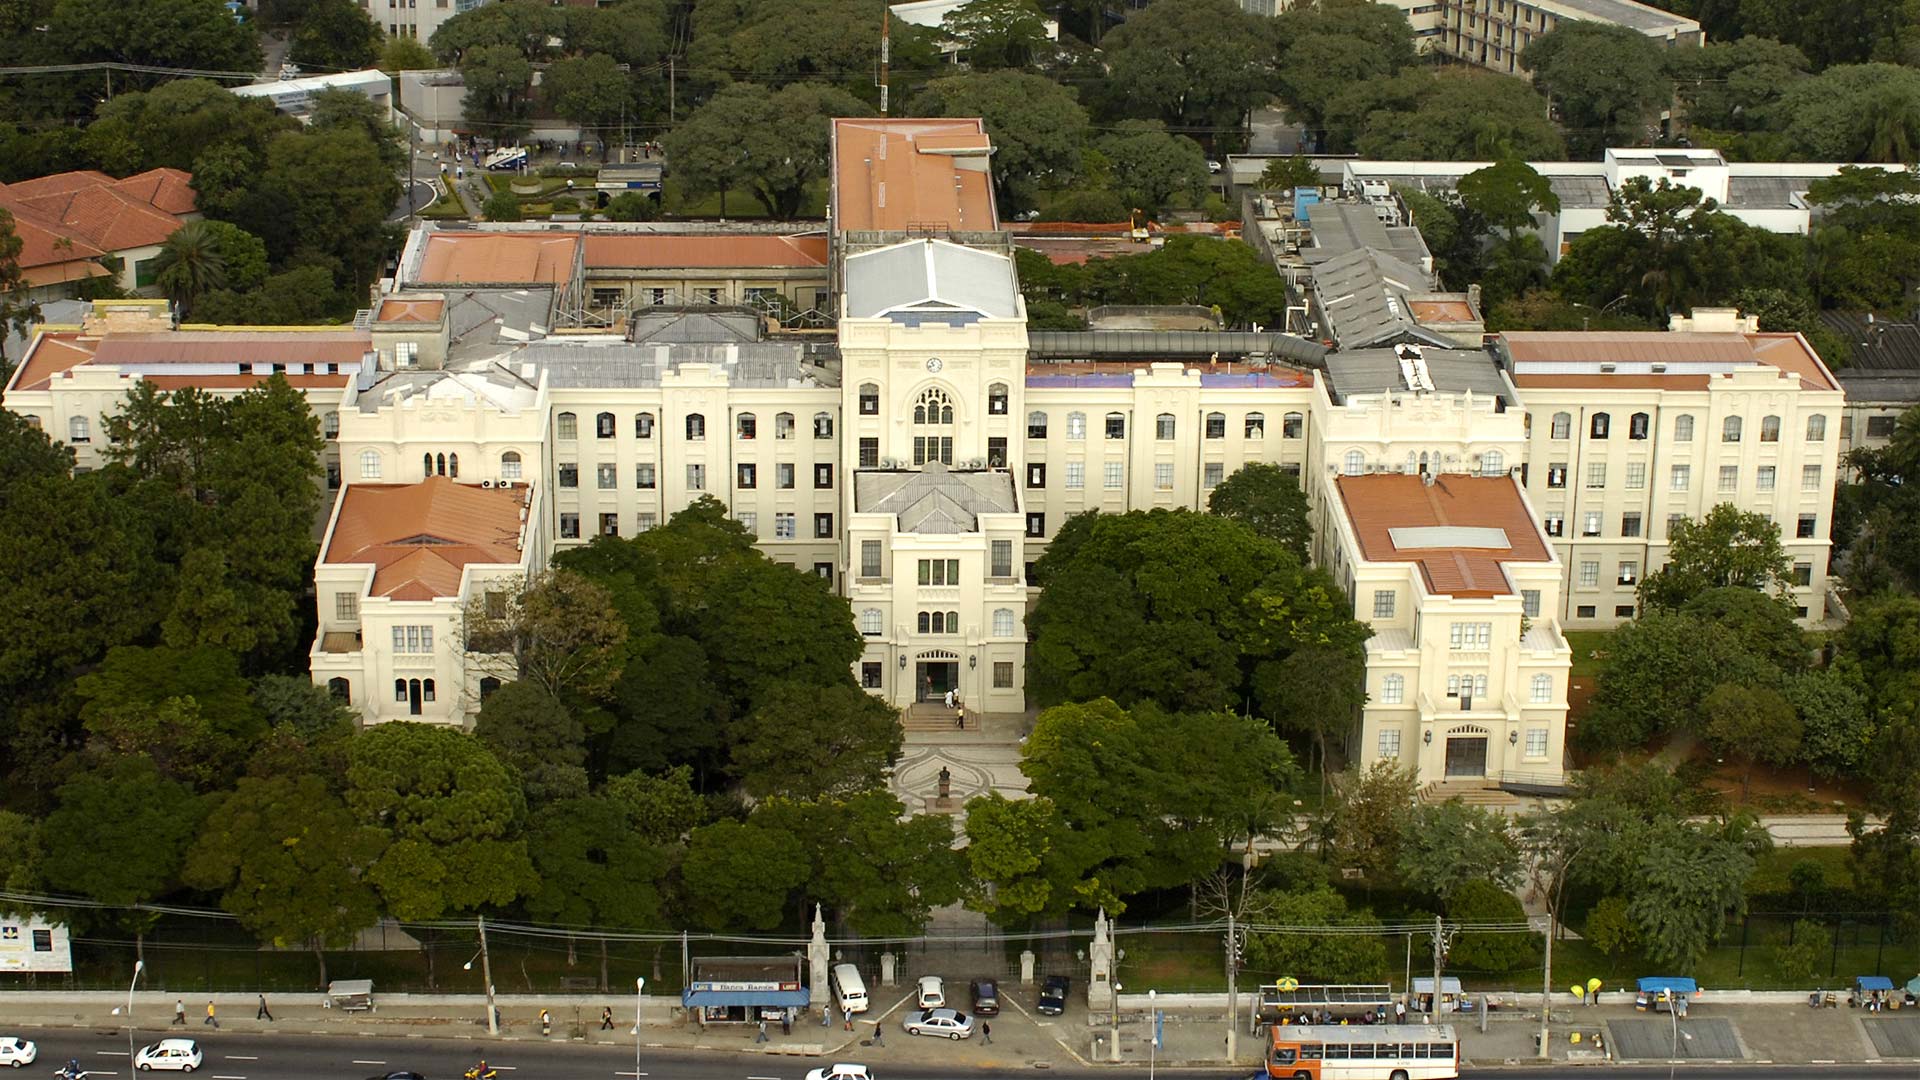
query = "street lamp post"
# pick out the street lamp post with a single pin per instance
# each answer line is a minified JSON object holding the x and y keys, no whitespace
{"x":1153,"y":1032}
{"x":639,"y":988}
{"x":138,"y":967}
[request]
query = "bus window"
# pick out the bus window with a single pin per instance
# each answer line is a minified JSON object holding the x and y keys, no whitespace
{"x":1285,"y":1056}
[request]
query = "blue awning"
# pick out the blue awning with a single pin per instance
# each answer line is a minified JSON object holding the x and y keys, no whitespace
{"x":751,"y":999}
{"x":1657,"y":983}
{"x":1873,"y":982}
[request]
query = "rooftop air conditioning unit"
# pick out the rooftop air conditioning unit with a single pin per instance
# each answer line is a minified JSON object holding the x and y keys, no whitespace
{"x":486,"y":483}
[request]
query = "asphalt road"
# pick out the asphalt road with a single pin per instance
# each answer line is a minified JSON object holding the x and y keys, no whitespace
{"x":422,"y":195}
{"x":291,"y":1056}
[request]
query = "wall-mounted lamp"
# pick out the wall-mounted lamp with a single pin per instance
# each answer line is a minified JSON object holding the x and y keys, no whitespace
{"x":1513,"y":738}
{"x":1427,"y":736}
{"x":973,"y":662}
{"x":903,"y":661}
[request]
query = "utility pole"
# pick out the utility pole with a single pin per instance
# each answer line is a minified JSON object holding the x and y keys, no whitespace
{"x":1546,"y":990}
{"x":672,"y":90}
{"x":1233,"y":996}
{"x":1439,"y":946}
{"x":886,"y":19}
{"x":486,"y":975}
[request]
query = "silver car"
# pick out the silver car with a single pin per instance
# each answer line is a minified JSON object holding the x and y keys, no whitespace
{"x":951,"y":1023}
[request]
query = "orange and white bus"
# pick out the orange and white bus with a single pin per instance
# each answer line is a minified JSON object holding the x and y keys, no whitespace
{"x":1363,"y":1052}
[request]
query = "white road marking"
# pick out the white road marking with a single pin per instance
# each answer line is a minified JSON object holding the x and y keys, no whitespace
{"x":631,"y":1074}
{"x":111,"y":1053}
{"x":217,"y":1076}
{"x":239,"y":1057}
{"x":763,"y":1078}
{"x":357,"y":1061}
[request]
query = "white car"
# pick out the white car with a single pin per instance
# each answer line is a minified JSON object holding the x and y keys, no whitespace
{"x":181,"y":1055}
{"x":933,"y":992}
{"x":949,"y":1022}
{"x":16,"y":1051}
{"x":841,"y":1072}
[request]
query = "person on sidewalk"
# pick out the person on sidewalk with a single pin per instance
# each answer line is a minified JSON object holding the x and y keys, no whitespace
{"x":849,"y":1019}
{"x":211,"y":1019}
{"x":179,"y":1013}
{"x":986,"y":1034}
{"x":606,"y":1018}
{"x":263,"y":1013}
{"x":546,"y":1023}
{"x":1399,"y":1012}
{"x":760,"y":1035}
{"x":786,"y":1022}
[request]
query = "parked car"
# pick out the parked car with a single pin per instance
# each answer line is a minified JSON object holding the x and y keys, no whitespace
{"x":986,"y":997}
{"x":1053,"y":995}
{"x":180,"y":1055}
{"x":16,"y":1051}
{"x":840,"y":1072}
{"x":403,"y":1074}
{"x":933,"y":992}
{"x":952,"y":1023}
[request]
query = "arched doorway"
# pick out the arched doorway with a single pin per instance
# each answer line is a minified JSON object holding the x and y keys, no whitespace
{"x":1466,"y":752}
{"x":935,"y":672}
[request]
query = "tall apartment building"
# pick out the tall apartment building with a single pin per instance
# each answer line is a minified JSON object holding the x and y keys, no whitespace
{"x":416,"y":19}
{"x":1493,"y":33}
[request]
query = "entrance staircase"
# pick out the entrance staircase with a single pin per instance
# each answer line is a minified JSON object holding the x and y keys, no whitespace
{"x":1471,"y":792}
{"x":935,"y":716}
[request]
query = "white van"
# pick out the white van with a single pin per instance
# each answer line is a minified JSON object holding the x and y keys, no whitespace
{"x":849,"y":989}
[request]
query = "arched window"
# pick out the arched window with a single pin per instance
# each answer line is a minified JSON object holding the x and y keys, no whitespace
{"x":1036,"y":425}
{"x":870,"y":622}
{"x":426,"y":690}
{"x":869,"y":399}
{"x":1683,"y":428}
{"x":488,"y":684}
{"x":330,"y":426}
{"x":510,"y":465}
{"x":1076,"y":425}
{"x":823,"y":425}
{"x":746,"y":426}
{"x":1492,"y":463}
{"x":1453,"y":685}
{"x":1216,"y":427}
{"x":1163,"y":426}
{"x":1562,"y":426}
{"x":696,"y":427}
{"x":339,"y":689}
{"x":1816,"y":428}
{"x":1293,"y":425}
{"x":997,"y":399}
{"x":643,"y":425}
{"x":1256,"y":426}
{"x":370,"y":465}
{"x":1730,"y":429}
{"x":932,"y":416}
{"x":79,"y":430}
{"x":1542,"y":690}
{"x":933,"y":407}
{"x":1356,"y":461}
{"x":1770,"y":429}
{"x":1003,"y":622}
{"x":453,"y":466}
{"x":426,"y":464}
{"x":566,"y":426}
{"x":1116,"y":425}
{"x":603,"y":425}
{"x":1393,"y":690}
{"x":783,"y":426}
{"x":1600,"y":424}
{"x":399,"y":689}
{"x":440,"y":464}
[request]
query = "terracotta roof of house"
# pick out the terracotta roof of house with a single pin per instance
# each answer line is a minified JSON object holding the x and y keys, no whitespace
{"x":892,"y":174}
{"x":411,"y":311}
{"x":419,"y":537}
{"x":74,"y":217}
{"x":1459,"y":530}
{"x":244,"y":382}
{"x":50,"y":354}
{"x":235,"y":347}
{"x":491,"y":258}
{"x":1686,"y":360}
{"x":646,"y":251}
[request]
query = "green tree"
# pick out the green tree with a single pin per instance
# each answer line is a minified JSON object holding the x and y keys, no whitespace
{"x":1751,"y":725}
{"x":1606,"y":81}
{"x":291,"y":863}
{"x":1038,"y":128}
{"x":1690,"y":880}
{"x":295,"y":703}
{"x":1287,"y":173}
{"x":810,"y":742}
{"x":525,"y":26}
{"x":502,"y":206}
{"x":196,"y":34}
{"x":323,"y":198}
{"x":1151,"y":168}
{"x":120,"y":836}
{"x":453,"y":815}
{"x":880,"y":871}
{"x":534,"y":733}
{"x":596,"y":866}
{"x":663,"y":807}
{"x":1837,"y":731}
{"x":1730,"y":85}
{"x":1194,"y":64}
{"x":772,"y":143}
{"x":1317,"y":957}
{"x":1315,"y":691}
{"x":1368,"y":818}
{"x":1448,"y":114}
{"x":1449,"y":845}
{"x":560,"y":630}
{"x":187,"y":711}
{"x":18,"y":308}
{"x":335,"y":35}
{"x":191,"y":263}
{"x":1867,"y":239}
{"x":1728,"y":548}
{"x":1763,"y":623}
{"x":590,"y":91}
{"x":1324,"y":49}
{"x":1480,"y":901}
{"x":1019,"y":859}
{"x":1797,"y":960}
{"x":833,"y":42}
{"x":22,"y":851}
{"x":737,"y":875}
{"x":1857,"y":112}
{"x":1507,"y":195}
{"x":632,"y":206}
{"x":398,"y":54}
{"x":499,"y":82}
{"x":1609,"y":928}
{"x":302,"y":296}
{"x":343,"y":109}
{"x":1661,"y":667}
{"x":998,"y":33}
{"x":1267,"y":499}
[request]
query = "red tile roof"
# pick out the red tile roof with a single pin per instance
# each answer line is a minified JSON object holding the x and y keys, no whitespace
{"x":490,"y":258}
{"x":1677,"y":351}
{"x":411,"y":311}
{"x":419,"y":537}
{"x":49,"y":355}
{"x":235,"y":347}
{"x":72,"y":218}
{"x":893,"y":174}
{"x":646,"y":251}
{"x":1378,"y":504}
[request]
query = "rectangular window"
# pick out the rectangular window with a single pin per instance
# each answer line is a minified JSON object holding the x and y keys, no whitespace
{"x":822,"y":526}
{"x":1036,"y":475}
{"x":1590,"y":525}
{"x":783,"y":475}
{"x":1679,"y":478}
{"x":1163,"y":427}
{"x":1556,"y":525}
{"x":869,"y":453}
{"x":1530,"y":603}
{"x":1808,"y":523}
{"x":1383,"y":603}
{"x":1537,"y":742}
{"x":1076,"y":475}
{"x":822,"y":476}
{"x":647,"y":519}
{"x":745,"y":476}
{"x":1036,"y":525}
{"x":870,"y":672}
{"x":997,"y":452}
{"x":1589,"y":574}
{"x":939,"y":571}
{"x":1557,"y":475}
{"x":1584,"y":611}
{"x":607,"y":476}
{"x":1636,"y":475}
{"x":1390,"y":744}
{"x":609,"y":524}
{"x":413,"y":640}
{"x":1881,"y":427}
{"x":1763,"y":480}
{"x":869,"y":558}
{"x":1003,"y":674}
{"x":1116,"y":426}
{"x":748,"y":520}
{"x":643,"y":477}
{"x":1629,"y":573}
{"x":696,"y":478}
{"x":569,"y":526}
{"x":346,"y":606}
{"x":1596,"y":474}
{"x":1211,"y":476}
{"x":1803,"y":574}
{"x":823,"y":571}
{"x":1002,"y":561}
{"x":569,"y":475}
{"x":1809,"y":478}
{"x":1477,"y":636}
{"x":1623,"y":611}
{"x":783,"y":528}
{"x":1629,"y":524}
{"x":1163,"y":476}
{"x":1115,"y":476}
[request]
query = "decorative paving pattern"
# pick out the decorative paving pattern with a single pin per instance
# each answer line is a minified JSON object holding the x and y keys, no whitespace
{"x":1701,"y":1039}
{"x":977,"y":761}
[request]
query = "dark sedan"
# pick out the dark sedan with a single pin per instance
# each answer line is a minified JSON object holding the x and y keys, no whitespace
{"x":1053,"y":995}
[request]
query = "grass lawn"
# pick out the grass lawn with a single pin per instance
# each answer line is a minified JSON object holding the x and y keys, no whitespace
{"x":1770,"y":876}
{"x":1585,"y":643}
{"x":445,"y":207}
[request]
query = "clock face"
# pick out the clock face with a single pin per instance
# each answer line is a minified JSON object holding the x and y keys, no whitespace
{"x":933,"y":364}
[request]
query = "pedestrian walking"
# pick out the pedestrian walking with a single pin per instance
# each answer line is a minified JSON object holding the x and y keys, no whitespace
{"x":986,"y":1034}
{"x":179,"y":1014}
{"x":211,"y":1019}
{"x":606,"y":1018}
{"x":760,"y":1035}
{"x":949,"y":699}
{"x":849,"y":1019}
{"x":786,"y":1022}
{"x":546,"y":1022}
{"x":878,"y":1027}
{"x":826,"y":1016}
{"x":263,"y":1013}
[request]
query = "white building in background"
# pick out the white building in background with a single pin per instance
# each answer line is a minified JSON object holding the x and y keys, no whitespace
{"x":295,"y":96}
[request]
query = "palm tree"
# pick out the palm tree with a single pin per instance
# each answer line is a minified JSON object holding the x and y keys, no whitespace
{"x":1892,"y":121}
{"x":190,"y":264}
